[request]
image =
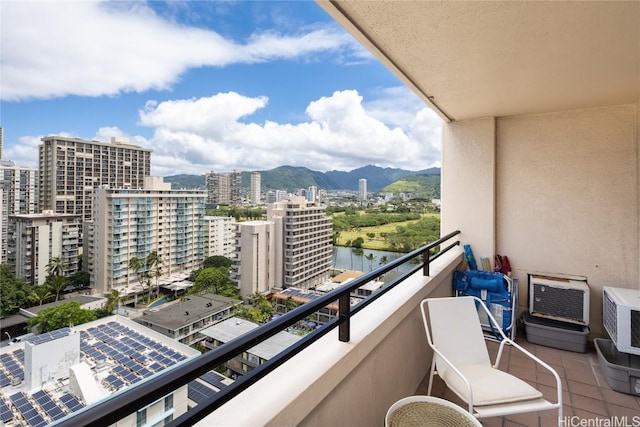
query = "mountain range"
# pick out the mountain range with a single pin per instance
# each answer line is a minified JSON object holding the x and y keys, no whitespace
{"x":292,"y":178}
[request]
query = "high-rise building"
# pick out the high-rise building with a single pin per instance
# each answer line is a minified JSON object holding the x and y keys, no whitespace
{"x":18,"y":195}
{"x":302,"y":251}
{"x":1,"y":141}
{"x":34,"y":239}
{"x":312,"y":194}
{"x":133,"y":223}
{"x":255,"y":188}
{"x":223,"y":188}
{"x":218,"y":236}
{"x":70,"y":169}
{"x":254,"y":267}
{"x":362,"y":189}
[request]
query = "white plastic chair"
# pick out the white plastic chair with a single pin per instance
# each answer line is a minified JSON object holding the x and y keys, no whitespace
{"x":462,"y":360}
{"x":434,"y":412}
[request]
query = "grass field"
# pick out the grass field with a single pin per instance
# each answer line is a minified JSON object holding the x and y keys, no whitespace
{"x":377,"y":242}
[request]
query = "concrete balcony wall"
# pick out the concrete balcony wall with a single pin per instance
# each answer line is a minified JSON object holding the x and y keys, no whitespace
{"x":560,"y":197}
{"x":354,"y":383}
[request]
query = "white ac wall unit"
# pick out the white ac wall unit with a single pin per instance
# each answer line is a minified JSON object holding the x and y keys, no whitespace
{"x":561,"y":299}
{"x":621,"y":317}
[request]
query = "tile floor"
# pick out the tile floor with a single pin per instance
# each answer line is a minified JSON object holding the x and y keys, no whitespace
{"x":587,"y":398}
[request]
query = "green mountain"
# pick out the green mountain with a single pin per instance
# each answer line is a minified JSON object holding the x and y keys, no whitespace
{"x":424,"y":186}
{"x":292,"y":178}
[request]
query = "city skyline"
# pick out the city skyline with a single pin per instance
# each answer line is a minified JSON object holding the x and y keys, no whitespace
{"x":207,"y":86}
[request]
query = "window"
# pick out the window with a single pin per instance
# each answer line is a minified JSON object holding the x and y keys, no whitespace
{"x":168,"y":403}
{"x":141,"y":417}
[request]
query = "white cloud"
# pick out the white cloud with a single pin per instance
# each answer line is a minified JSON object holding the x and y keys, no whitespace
{"x":197,"y":135}
{"x":89,"y":48}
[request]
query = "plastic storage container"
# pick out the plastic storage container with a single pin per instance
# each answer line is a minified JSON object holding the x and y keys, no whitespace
{"x":622,"y":370}
{"x":556,"y":334}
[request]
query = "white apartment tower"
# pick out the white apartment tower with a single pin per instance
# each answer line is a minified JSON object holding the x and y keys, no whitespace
{"x":362,"y":189}
{"x":34,"y":239}
{"x":135,"y":222}
{"x":70,"y":169}
{"x":1,"y":141}
{"x":255,"y":267}
{"x":255,"y":188}
{"x":303,"y":245}
{"x":223,"y":188}
{"x":218,"y":236}
{"x":18,"y":195}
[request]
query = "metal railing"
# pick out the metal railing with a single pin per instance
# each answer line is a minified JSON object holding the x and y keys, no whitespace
{"x":130,"y":400}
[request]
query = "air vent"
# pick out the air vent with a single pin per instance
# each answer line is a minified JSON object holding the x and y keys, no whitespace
{"x":559,"y":299}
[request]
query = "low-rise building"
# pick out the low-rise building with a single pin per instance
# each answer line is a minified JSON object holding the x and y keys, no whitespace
{"x":232,"y":328}
{"x":184,"y":319}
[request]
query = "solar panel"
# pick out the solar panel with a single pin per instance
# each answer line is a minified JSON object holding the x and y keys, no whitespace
{"x":50,"y":407}
{"x":27,"y":410}
{"x":5,"y":413}
{"x":198,"y":392}
{"x":214,"y":379}
{"x":49,"y":336}
{"x":71,"y":402}
{"x":4,"y":379}
{"x":114,"y":381}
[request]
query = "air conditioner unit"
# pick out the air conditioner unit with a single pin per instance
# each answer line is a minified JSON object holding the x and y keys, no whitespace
{"x":561,"y":299}
{"x":621,"y":317}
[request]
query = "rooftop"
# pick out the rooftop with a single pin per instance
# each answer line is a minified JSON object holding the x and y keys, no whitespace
{"x":187,"y":310}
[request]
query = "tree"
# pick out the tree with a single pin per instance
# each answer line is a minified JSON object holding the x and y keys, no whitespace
{"x":214,"y":280}
{"x":154,"y":262}
{"x":370,"y":257}
{"x":383,"y":260}
{"x":56,"y":284}
{"x":217,"y":261}
{"x":258,"y":310}
{"x":69,"y":314}
{"x":139,"y":267}
{"x":14,"y":292}
{"x":55,"y":267}
{"x":40,"y":294}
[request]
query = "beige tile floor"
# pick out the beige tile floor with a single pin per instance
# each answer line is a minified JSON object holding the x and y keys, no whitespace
{"x":587,"y":398}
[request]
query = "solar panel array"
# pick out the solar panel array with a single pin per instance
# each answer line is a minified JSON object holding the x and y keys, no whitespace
{"x":201,"y":389}
{"x":133,"y":356}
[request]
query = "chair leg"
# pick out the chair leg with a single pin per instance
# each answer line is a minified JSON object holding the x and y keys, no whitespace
{"x":431,"y":372}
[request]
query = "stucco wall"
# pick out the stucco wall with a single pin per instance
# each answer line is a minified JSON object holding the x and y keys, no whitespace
{"x":566,"y":195}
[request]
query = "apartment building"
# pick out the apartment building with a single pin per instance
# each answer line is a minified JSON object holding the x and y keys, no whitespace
{"x":254,"y":269}
{"x":218,"y":236}
{"x":135,"y":222}
{"x":34,"y":239}
{"x":255,"y":189}
{"x":70,"y":169}
{"x":302,"y":248}
{"x":18,"y":195}
{"x":223,"y":188}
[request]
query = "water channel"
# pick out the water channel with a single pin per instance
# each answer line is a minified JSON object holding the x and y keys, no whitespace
{"x":352,"y":259}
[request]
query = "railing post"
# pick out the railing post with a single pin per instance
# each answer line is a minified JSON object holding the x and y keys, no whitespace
{"x":426,"y":261}
{"x":343,"y":312}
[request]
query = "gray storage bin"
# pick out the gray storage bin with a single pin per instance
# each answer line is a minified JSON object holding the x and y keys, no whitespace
{"x":556,"y":334}
{"x":622,"y":370}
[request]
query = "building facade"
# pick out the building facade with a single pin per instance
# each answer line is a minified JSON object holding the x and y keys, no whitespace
{"x":218,"y":236}
{"x":255,"y":190}
{"x":362,"y":189}
{"x":70,"y":169}
{"x":34,"y":239}
{"x":133,"y":223}
{"x":254,"y":268}
{"x":223,"y":188}
{"x":303,"y":245}
{"x":18,"y":195}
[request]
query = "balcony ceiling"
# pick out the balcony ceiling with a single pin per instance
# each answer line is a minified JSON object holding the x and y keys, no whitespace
{"x":479,"y":59}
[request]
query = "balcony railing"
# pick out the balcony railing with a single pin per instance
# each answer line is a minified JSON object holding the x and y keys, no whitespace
{"x":111,"y":410}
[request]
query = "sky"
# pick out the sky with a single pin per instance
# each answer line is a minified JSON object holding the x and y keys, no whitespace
{"x":207,"y":85}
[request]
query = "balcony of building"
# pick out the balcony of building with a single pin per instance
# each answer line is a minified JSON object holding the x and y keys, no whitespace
{"x":540,"y":103}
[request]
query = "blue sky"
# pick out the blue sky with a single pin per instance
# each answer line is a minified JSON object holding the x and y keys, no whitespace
{"x":208,"y":85}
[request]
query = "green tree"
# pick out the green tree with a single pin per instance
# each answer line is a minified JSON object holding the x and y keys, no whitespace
{"x":40,"y":293}
{"x":383,"y":260}
{"x":258,"y":309}
{"x":214,"y":280}
{"x":56,"y":284}
{"x":80,"y":279}
{"x":370,"y":257}
{"x":55,"y":267}
{"x":139,"y":267}
{"x":14,"y":292}
{"x":217,"y":261}
{"x":69,"y":314}
{"x":154,"y":262}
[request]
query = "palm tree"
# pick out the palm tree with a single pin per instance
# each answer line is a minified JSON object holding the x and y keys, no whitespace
{"x":370,"y":257}
{"x":56,"y":284}
{"x":154,"y":262}
{"x":139,"y":267}
{"x":40,"y":294}
{"x":55,"y":267}
{"x":383,"y":260}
